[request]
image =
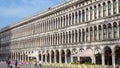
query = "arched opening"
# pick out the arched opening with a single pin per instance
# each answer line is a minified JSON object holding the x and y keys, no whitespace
{"x":100,"y":32}
{"x":52,"y":56}
{"x":48,"y":57}
{"x":104,"y":32}
{"x":63,"y":56}
{"x":39,"y":57}
{"x":108,"y":56}
{"x":87,"y":34}
{"x":95,"y":33}
{"x":115,"y":30}
{"x":44,"y":58}
{"x":91,"y":34}
{"x":68,"y":56}
{"x":57,"y":56}
{"x":117,"y":55}
{"x":109,"y":31}
{"x":98,"y":56}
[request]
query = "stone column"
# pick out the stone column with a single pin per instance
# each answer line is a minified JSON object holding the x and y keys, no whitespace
{"x":55,"y":57}
{"x":106,"y":8}
{"x":113,"y":58}
{"x":50,"y":58}
{"x":118,"y":5}
{"x":60,"y":56}
{"x":65,"y":56}
{"x":103,"y":59}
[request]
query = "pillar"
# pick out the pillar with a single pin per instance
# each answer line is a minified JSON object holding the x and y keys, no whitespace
{"x":103,"y":59}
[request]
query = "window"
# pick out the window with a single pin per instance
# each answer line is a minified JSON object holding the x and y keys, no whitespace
{"x":99,"y":11}
{"x":79,"y":35}
{"x":69,"y":19}
{"x":76,"y":17}
{"x":66,"y":20}
{"x":72,"y":36}
{"x":109,"y":8}
{"x":87,"y":35}
{"x":109,"y":31}
{"x":100,"y":33}
{"x":91,"y":13}
{"x":114,"y":6}
{"x":69,"y":37}
{"x":95,"y":33}
{"x":79,"y":16}
{"x":75,"y":35}
{"x":104,"y":32}
{"x":83,"y":35}
{"x":91,"y":34}
{"x":72,"y":18}
{"x":104,"y":9}
{"x":87,"y":14}
{"x":115,"y":30}
{"x":83,"y":16}
{"x":95,"y":12}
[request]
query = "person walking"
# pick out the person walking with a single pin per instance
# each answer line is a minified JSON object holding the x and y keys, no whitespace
{"x":8,"y":63}
{"x":16,"y":63}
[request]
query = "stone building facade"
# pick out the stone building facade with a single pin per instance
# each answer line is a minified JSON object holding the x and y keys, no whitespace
{"x":54,"y":35}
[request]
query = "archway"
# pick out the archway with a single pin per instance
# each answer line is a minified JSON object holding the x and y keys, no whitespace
{"x":117,"y":55}
{"x":63,"y":56}
{"x":108,"y":56}
{"x":39,"y":57}
{"x":52,"y":56}
{"x":44,"y":58}
{"x":98,"y":57}
{"x":57,"y":56}
{"x":48,"y":57}
{"x":68,"y":56}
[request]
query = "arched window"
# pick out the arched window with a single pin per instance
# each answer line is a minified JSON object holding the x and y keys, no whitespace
{"x":109,"y":31}
{"x":95,"y":12}
{"x":104,"y":9}
{"x":79,"y":16}
{"x":61,"y":22}
{"x":115,"y":30}
{"x":95,"y":33}
{"x":79,"y":35}
{"x":73,"y":36}
{"x":63,"y":38}
{"x":72,"y":18}
{"x":83,"y":35}
{"x":76,"y":17}
{"x":76,"y":35}
{"x":87,"y":14}
{"x":83,"y":15}
{"x":69,"y":37}
{"x":66,"y":37}
{"x":104,"y":32}
{"x":66,"y":20}
{"x":69,"y":19}
{"x":91,"y":13}
{"x":91,"y":34}
{"x":87,"y":34}
{"x":114,"y":7}
{"x":100,"y":33}
{"x":109,"y":8}
{"x":99,"y":11}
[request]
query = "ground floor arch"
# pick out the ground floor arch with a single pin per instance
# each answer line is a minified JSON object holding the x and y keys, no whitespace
{"x":108,"y":55}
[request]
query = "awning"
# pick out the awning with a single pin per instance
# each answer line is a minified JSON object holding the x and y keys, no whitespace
{"x":85,"y":53}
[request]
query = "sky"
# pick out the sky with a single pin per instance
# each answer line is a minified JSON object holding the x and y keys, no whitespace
{"x":12,"y":11}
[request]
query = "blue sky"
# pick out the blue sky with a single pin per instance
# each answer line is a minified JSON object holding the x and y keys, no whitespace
{"x":12,"y":11}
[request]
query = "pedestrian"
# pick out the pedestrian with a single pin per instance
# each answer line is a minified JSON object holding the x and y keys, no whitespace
{"x":16,"y":63}
{"x":8,"y":63}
